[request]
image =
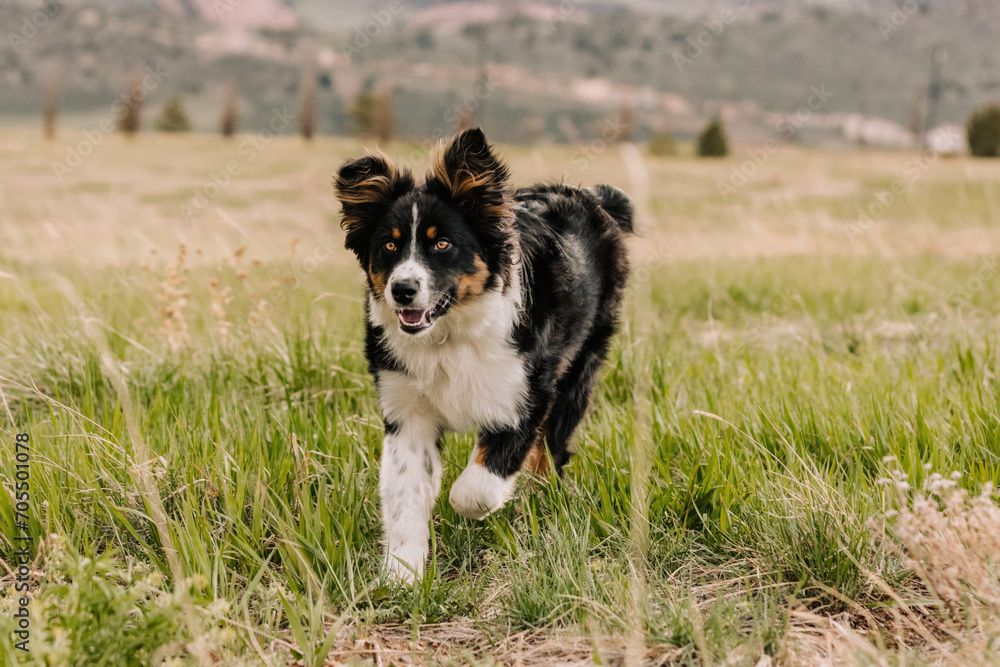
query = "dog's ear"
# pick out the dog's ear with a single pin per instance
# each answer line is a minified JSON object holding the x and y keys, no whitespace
{"x":367,"y":188}
{"x":467,"y":171}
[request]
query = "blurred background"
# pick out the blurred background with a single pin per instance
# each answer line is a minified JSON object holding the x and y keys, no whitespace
{"x":829,"y":72}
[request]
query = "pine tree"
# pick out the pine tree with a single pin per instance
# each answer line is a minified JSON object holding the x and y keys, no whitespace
{"x":130,"y":115}
{"x":307,"y":117}
{"x":384,"y":121}
{"x":363,"y":113}
{"x":662,"y":144}
{"x":50,"y":111}
{"x":983,"y":131}
{"x":230,"y":110}
{"x":917,"y":112}
{"x":625,"y":122}
{"x":712,"y":141}
{"x":173,"y":118}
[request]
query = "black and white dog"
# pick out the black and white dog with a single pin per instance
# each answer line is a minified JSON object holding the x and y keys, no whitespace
{"x":487,"y":309}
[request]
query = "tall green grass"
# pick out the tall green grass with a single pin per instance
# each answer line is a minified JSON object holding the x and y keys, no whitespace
{"x":779,"y":390}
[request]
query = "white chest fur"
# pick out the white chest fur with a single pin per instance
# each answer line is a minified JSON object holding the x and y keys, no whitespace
{"x":462,"y":374}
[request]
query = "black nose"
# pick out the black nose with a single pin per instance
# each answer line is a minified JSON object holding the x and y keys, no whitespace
{"x":403,"y":292}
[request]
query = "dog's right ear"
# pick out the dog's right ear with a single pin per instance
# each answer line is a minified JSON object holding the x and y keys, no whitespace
{"x":367,"y":188}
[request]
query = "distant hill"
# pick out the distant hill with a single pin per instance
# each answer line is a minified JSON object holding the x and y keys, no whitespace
{"x":873,"y":57}
{"x":273,"y":14}
{"x":557,"y":74}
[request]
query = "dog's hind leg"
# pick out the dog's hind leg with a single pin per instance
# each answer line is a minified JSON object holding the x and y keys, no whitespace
{"x":573,"y":393}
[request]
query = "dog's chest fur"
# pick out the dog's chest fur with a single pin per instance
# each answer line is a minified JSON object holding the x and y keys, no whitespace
{"x":464,"y":374}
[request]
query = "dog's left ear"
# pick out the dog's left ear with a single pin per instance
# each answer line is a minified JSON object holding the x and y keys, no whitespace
{"x":467,"y":171}
{"x":367,"y":188}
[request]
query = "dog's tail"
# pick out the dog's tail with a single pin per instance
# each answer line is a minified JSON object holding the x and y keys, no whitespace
{"x":616,"y":203}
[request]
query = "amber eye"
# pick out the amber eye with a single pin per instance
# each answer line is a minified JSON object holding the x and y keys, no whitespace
{"x":443,"y":244}
{"x":390,"y":246}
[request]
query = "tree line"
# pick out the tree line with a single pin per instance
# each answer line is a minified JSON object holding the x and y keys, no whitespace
{"x":372,"y":115}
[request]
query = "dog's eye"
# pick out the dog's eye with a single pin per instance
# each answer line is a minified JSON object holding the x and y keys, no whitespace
{"x":390,"y":246}
{"x":443,"y":244}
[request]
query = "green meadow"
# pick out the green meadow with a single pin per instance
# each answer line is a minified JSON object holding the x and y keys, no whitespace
{"x":789,"y":459}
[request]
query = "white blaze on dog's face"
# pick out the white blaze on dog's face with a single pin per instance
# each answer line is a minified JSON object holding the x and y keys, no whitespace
{"x":429,"y":248}
{"x":428,"y":259}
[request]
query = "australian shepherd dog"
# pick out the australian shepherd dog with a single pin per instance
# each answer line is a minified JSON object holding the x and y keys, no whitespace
{"x":488,"y":308}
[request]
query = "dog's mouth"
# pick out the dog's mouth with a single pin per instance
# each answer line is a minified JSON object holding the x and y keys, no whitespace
{"x":414,"y":321}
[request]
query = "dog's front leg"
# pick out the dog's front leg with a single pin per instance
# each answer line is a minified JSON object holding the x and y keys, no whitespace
{"x":488,"y":482}
{"x":409,"y":483}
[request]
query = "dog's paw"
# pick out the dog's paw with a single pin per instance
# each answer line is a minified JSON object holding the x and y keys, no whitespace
{"x":405,"y":563}
{"x":478,"y":493}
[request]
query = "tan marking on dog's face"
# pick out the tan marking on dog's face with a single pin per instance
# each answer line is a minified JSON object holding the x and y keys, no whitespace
{"x":472,"y":285}
{"x":378,"y":282}
{"x":432,"y":233}
{"x":481,"y":456}
{"x":396,"y":234}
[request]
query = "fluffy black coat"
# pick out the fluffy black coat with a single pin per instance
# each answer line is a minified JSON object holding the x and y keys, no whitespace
{"x":487,"y":308}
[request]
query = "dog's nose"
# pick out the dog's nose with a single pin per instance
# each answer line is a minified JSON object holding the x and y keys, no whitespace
{"x":403,"y":292}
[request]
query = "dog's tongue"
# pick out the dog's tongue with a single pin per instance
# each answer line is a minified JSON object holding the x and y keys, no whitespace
{"x":412,"y":316}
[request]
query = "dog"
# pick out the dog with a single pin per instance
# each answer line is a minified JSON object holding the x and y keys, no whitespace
{"x":487,"y":308}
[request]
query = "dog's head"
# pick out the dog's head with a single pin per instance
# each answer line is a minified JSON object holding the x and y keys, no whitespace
{"x":432,"y":247}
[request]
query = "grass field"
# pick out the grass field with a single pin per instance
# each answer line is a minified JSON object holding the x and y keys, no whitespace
{"x":789,"y":459}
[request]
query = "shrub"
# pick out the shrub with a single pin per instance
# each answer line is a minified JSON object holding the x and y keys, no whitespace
{"x":662,"y":144}
{"x":307,"y":116}
{"x":230,"y":111}
{"x":983,"y":130}
{"x":626,"y":121}
{"x":363,"y":113}
{"x":712,"y":141}
{"x":50,"y":111}
{"x":173,"y":117}
{"x":130,"y":116}
{"x":425,"y":39}
{"x":385,"y":118}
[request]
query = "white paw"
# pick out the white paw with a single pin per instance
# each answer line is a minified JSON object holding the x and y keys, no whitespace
{"x":404,"y":563}
{"x":477,"y":492}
